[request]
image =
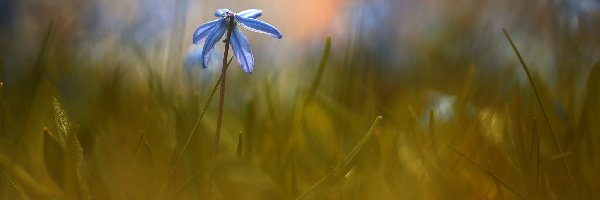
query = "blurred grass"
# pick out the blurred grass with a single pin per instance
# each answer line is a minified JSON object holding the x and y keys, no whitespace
{"x":120,"y":129}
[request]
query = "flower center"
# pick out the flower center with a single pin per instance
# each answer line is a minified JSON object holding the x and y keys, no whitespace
{"x":230,"y":14}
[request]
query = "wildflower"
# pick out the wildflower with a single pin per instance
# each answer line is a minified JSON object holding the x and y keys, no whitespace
{"x":213,"y":32}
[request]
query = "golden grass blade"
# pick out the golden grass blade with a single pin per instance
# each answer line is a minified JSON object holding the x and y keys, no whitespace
{"x":76,"y":171}
{"x":68,"y":157}
{"x":487,"y":171}
{"x":344,"y":166}
{"x":500,"y":194}
{"x":16,"y":185}
{"x":63,"y":125}
{"x":54,"y":158}
{"x":240,"y":146}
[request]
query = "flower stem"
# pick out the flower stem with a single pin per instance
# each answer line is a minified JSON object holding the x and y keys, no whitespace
{"x":222,"y":92}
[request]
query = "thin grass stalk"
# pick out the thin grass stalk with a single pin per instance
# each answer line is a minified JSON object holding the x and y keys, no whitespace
{"x":487,"y":171}
{"x":191,"y":135}
{"x":190,"y":181}
{"x":240,"y":146}
{"x":500,"y":194}
{"x":300,"y":105}
{"x":537,"y":163}
{"x":318,"y":77}
{"x":432,"y":131}
{"x":38,"y":69}
{"x":344,"y":166}
{"x":544,"y":112}
{"x":16,"y":185}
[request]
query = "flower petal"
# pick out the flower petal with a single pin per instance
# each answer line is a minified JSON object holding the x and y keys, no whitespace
{"x":203,"y":30}
{"x":242,"y":51}
{"x":213,"y":37}
{"x":221,"y":12}
{"x":258,"y":26}
{"x":250,"y":13}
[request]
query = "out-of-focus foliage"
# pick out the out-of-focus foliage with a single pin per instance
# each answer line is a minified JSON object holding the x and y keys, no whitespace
{"x":97,"y":99}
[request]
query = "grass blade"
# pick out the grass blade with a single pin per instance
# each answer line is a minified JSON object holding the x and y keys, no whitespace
{"x":344,"y":166}
{"x":487,"y":171}
{"x":38,"y":69}
{"x":54,"y":153}
{"x":319,"y":76}
{"x":496,"y":183}
{"x":191,"y":135}
{"x":544,"y":112}
{"x":240,"y":146}
{"x":16,"y":186}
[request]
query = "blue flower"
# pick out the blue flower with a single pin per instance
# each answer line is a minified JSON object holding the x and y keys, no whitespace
{"x":213,"y":32}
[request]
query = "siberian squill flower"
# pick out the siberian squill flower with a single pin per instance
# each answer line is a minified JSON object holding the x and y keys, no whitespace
{"x":213,"y":32}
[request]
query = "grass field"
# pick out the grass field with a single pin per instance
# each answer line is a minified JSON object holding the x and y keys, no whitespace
{"x":454,"y":110}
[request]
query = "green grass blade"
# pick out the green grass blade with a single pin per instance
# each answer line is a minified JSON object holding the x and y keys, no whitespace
{"x":319,"y":76}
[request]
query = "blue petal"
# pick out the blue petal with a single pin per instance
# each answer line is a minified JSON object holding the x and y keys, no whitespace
{"x":242,"y":51}
{"x":258,"y":26}
{"x":213,"y":37}
{"x":221,"y":12}
{"x":203,"y":30}
{"x":250,"y":13}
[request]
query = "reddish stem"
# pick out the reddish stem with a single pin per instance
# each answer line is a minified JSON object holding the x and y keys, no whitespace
{"x":222,"y":92}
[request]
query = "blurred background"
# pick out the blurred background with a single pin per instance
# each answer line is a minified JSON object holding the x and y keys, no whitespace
{"x":98,"y":99}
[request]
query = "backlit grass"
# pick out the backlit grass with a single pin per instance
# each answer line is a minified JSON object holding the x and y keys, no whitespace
{"x":337,"y":125}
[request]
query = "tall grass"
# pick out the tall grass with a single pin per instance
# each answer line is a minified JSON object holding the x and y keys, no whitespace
{"x":446,"y":127}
